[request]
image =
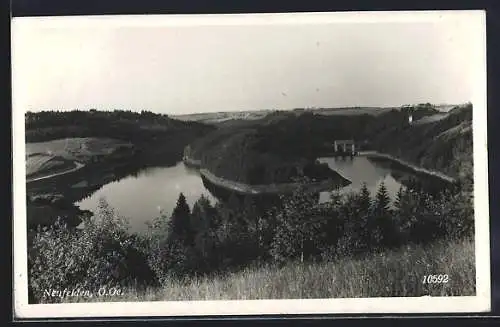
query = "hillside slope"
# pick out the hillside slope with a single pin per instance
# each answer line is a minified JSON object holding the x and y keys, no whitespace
{"x":282,"y":145}
{"x":158,"y":139}
{"x":443,"y":144}
{"x":50,"y":157}
{"x":232,"y":154}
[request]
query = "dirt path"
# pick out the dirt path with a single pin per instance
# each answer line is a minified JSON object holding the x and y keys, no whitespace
{"x":78,"y":166}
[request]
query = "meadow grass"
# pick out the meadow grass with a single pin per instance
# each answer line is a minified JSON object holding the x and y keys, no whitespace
{"x":393,"y":273}
{"x":56,"y":156}
{"x":44,"y":163}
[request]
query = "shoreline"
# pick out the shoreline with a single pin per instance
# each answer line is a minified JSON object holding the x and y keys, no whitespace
{"x":263,"y":189}
{"x":414,"y":168}
{"x":322,"y":186}
{"x":192,"y":163}
{"x":247,"y":189}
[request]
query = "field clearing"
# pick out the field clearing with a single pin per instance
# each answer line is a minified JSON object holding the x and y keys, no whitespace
{"x":72,"y":148}
{"x":465,"y":127}
{"x":430,"y":119}
{"x":227,"y":117}
{"x":394,"y":273}
{"x":43,"y":158}
{"x":351,"y":111}
{"x":38,"y":163}
{"x":218,"y":117}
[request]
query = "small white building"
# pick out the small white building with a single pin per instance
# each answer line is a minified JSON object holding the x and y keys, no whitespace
{"x":344,"y":145}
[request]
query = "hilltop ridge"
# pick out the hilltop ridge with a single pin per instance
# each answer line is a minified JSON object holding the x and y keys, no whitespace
{"x":277,"y":147}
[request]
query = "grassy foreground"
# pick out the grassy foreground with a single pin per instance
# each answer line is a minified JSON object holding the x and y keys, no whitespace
{"x":394,"y":273}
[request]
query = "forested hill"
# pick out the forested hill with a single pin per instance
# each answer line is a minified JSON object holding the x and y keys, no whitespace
{"x":119,"y":124}
{"x":274,"y":149}
{"x":309,"y":134}
{"x":271,"y":149}
{"x":442,"y":142}
{"x":157,"y":137}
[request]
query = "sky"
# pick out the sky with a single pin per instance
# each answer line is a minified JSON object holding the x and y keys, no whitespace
{"x":174,"y":65}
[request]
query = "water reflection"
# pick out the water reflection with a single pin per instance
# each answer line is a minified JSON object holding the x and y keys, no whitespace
{"x":360,"y":170}
{"x":140,"y":197}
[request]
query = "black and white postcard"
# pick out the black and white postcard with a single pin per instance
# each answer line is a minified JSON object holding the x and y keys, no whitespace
{"x":298,"y":163}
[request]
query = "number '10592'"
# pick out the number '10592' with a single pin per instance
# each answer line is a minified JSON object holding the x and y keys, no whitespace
{"x":435,"y":279}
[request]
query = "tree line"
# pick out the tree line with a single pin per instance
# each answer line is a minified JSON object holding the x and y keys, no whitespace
{"x":158,"y":139}
{"x":275,"y":148}
{"x":132,"y":126}
{"x":229,"y":235}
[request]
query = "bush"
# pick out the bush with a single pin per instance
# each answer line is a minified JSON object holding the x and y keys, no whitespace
{"x":300,"y":230}
{"x":102,"y":254}
{"x":210,"y":240}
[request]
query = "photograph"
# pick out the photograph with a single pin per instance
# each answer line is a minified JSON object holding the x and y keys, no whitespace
{"x":250,"y":164}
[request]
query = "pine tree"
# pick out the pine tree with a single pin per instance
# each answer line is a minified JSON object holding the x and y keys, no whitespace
{"x":200,"y":221}
{"x":204,"y":221}
{"x":250,"y":210}
{"x":382,"y":200}
{"x":404,"y":216}
{"x":363,"y":213}
{"x":399,"y":207}
{"x":180,"y":225}
{"x":380,"y":225}
{"x":365,"y":199}
{"x":399,"y":202}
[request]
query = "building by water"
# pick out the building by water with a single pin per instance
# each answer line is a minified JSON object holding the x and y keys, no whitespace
{"x":344,"y":147}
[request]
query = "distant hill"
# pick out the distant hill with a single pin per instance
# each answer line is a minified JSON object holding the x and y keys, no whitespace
{"x":225,"y":118}
{"x":119,"y":124}
{"x":240,"y":118}
{"x":234,"y":155}
{"x":351,"y":111}
{"x":220,"y":117}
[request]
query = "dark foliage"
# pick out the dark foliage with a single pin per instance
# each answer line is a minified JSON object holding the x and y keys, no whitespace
{"x":158,"y":138}
{"x":236,"y":233}
{"x":180,"y":225}
{"x":444,"y":145}
{"x":284,"y":146}
{"x":102,"y":254}
{"x":240,"y":231}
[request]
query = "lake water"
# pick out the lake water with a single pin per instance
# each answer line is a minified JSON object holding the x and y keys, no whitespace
{"x":140,"y":198}
{"x":360,"y":170}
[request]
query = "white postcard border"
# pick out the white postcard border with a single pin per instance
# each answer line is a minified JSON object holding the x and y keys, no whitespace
{"x":478,"y":303}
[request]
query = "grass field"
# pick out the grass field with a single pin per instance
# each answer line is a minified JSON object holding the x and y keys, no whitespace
{"x":430,"y":119}
{"x":60,"y":155}
{"x":226,"y":117}
{"x":395,"y":273}
{"x":73,"y":148}
{"x":43,"y":163}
